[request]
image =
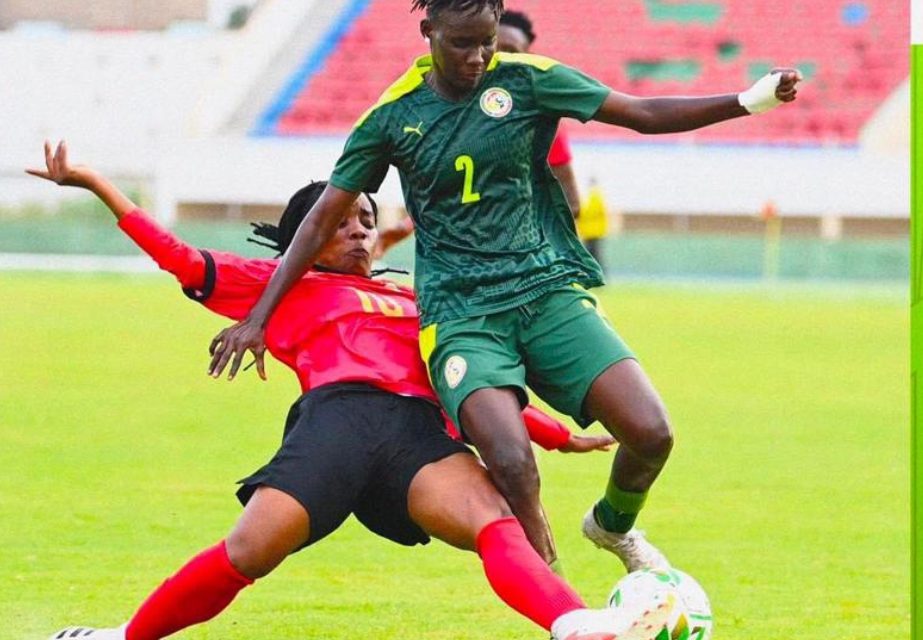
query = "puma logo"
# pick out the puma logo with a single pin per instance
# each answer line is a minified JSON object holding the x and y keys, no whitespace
{"x":417,"y":129}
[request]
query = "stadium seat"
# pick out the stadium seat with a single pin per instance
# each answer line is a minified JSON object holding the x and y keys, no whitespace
{"x":853,"y":55}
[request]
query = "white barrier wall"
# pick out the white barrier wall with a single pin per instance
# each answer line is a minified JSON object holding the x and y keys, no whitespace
{"x":734,"y":180}
{"x":120,"y":99}
{"x":127,"y":100}
{"x":668,"y":179}
{"x":647,"y":178}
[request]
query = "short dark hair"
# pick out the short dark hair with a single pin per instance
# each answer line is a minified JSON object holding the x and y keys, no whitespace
{"x":434,"y":7}
{"x":280,"y":235}
{"x":520,"y":21}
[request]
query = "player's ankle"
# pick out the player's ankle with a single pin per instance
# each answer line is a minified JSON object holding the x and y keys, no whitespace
{"x":612,"y":520}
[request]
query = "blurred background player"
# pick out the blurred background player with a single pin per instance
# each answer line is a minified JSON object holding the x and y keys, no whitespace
{"x":367,"y":437}
{"x":593,"y":223}
{"x":515,"y":35}
{"x":496,"y":268}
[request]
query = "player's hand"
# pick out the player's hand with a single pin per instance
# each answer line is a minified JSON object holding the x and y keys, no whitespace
{"x":786,"y":89}
{"x":59,"y":170}
{"x":585,"y":444}
{"x":771,"y":90}
{"x":232,"y":343}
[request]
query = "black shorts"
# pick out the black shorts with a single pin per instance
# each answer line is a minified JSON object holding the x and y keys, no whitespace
{"x":354,"y":448}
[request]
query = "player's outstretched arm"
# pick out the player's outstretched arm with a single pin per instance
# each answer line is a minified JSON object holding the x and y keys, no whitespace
{"x":317,"y":228}
{"x":551,"y":434}
{"x":60,"y":171}
{"x":673,"y":114}
{"x":169,"y":252}
{"x":391,"y":236}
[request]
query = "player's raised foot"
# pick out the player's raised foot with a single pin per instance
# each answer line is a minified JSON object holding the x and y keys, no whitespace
{"x":632,"y":548}
{"x":612,"y":624}
{"x":88,"y":633}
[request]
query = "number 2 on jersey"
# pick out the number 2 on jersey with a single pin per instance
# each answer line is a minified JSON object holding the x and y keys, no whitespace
{"x":466,"y":164}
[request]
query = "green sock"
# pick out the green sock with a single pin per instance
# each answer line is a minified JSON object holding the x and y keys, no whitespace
{"x":618,"y":510}
{"x":558,"y":567}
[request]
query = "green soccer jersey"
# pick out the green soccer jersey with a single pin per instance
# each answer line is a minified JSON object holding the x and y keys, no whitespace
{"x":493,"y":229}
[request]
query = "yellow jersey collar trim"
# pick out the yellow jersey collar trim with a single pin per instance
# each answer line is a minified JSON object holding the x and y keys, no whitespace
{"x":539,"y":62}
{"x":411,"y":79}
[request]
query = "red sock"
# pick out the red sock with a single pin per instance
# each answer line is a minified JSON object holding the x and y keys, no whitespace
{"x":519,"y":575}
{"x":198,"y":592}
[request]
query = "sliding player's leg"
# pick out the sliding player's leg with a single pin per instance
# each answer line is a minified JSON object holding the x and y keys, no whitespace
{"x":285,"y":510}
{"x":432,"y":485}
{"x":454,"y":500}
{"x":272,"y":526}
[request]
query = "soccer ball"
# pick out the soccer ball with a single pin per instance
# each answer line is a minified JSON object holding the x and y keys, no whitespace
{"x":691,"y":618}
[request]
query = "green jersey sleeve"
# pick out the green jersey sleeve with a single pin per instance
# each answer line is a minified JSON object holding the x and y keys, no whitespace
{"x":365,"y":159}
{"x":563,"y":91}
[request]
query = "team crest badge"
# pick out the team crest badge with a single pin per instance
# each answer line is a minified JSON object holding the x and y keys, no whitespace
{"x":496,"y":102}
{"x":455,"y":369}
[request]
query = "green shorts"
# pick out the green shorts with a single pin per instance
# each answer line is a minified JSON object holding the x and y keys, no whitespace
{"x":557,"y":345}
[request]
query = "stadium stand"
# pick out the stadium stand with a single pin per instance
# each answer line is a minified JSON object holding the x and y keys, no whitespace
{"x":223,"y":124}
{"x":853,"y":54}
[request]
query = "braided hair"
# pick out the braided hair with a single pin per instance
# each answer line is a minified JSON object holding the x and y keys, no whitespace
{"x":279,"y":236}
{"x":521,"y":21}
{"x":434,"y":7}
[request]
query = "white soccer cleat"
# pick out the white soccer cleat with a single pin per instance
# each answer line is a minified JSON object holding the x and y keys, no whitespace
{"x":88,"y":633}
{"x":612,"y":624}
{"x":632,"y":548}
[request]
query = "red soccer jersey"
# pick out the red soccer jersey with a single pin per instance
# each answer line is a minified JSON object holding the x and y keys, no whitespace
{"x":560,"y":149}
{"x":329,"y":327}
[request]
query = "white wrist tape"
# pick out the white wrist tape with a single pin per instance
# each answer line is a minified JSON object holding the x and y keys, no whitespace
{"x":762,"y":95}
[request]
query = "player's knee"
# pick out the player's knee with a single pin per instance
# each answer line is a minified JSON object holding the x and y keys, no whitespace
{"x":481,"y":511}
{"x":656,"y":439}
{"x":515,"y":473}
{"x":483,"y":502}
{"x":489,"y":505}
{"x":645,"y":431}
{"x":249,"y":555}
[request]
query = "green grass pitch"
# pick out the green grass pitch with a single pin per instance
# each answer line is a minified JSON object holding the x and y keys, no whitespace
{"x":786,"y":495}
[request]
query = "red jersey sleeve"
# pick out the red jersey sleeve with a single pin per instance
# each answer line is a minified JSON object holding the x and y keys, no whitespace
{"x":223,"y":282}
{"x":560,"y":149}
{"x":544,"y":430}
{"x":169,"y":252}
{"x":232,"y":284}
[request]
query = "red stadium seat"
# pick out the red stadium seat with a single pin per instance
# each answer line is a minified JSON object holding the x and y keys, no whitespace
{"x":853,"y":67}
